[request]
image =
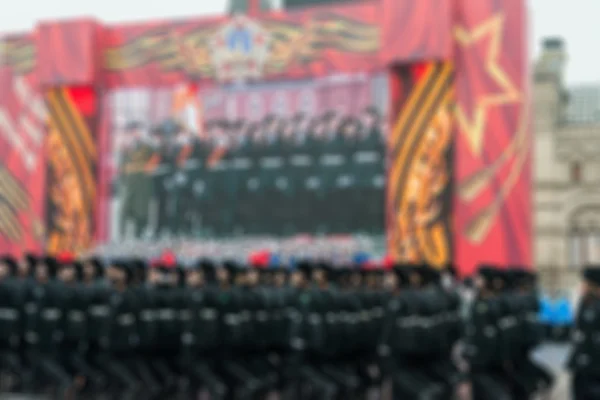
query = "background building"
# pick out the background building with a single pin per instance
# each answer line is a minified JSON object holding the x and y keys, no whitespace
{"x":566,"y":170}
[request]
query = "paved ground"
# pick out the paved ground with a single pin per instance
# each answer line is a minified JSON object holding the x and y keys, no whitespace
{"x":552,"y":356}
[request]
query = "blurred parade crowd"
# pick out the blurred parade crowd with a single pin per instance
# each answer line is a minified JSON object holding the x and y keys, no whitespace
{"x":277,"y":176}
{"x":133,"y":328}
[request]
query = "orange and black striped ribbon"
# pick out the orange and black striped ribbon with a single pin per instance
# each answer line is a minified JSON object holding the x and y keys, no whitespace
{"x":76,"y":139}
{"x":432,"y":92}
{"x":13,"y":200}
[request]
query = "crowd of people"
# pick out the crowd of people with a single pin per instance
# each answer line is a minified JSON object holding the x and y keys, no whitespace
{"x":322,"y":174}
{"x":139,"y":329}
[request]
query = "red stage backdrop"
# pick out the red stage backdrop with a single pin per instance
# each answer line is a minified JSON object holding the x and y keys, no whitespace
{"x":22,"y":154}
{"x":458,"y":178}
{"x":299,"y":44}
{"x":492,"y":207}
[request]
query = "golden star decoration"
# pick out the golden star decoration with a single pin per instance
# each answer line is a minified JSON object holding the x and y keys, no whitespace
{"x":474,"y":127}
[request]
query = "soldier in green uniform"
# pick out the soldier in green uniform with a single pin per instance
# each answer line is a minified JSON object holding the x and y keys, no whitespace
{"x":74,"y":325}
{"x":46,"y":334}
{"x":283,"y":198}
{"x":298,"y":162}
{"x":270,"y":164}
{"x":238,"y":165}
{"x":369,"y":161}
{"x":311,"y":195}
{"x":482,"y":342}
{"x":307,"y":339}
{"x":584,"y":361}
{"x":330,"y":165}
{"x":233,"y":316}
{"x":145,"y":288}
{"x":12,"y":300}
{"x":164,"y":176}
{"x":218,"y":170}
{"x":182,"y":182}
{"x":119,"y":338}
{"x":442,"y":327}
{"x":244,"y":170}
{"x":346,"y":178}
{"x":199,"y":333}
{"x":196,"y":166}
{"x":528,"y":376}
{"x":167,"y":343}
{"x":135,"y":184}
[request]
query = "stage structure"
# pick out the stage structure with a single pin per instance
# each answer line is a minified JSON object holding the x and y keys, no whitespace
{"x":399,"y":120}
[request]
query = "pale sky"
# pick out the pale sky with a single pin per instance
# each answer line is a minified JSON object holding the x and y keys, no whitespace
{"x":575,"y":20}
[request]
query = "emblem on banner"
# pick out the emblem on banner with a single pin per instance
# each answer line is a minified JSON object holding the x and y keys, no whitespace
{"x":239,"y":50}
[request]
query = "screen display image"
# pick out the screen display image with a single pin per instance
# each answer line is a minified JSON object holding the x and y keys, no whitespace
{"x":270,"y":159}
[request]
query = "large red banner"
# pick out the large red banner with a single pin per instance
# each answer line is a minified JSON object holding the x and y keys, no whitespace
{"x":22,"y":154}
{"x":492,"y":208}
{"x":300,"y":44}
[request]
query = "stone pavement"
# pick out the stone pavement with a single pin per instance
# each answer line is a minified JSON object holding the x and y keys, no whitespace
{"x":554,"y":357}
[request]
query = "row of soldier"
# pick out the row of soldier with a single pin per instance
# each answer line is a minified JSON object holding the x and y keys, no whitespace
{"x":312,"y":332}
{"x":584,"y":360}
{"x":501,"y":333}
{"x":274,"y":170}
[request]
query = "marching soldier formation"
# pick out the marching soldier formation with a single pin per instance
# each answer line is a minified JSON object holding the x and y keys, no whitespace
{"x":253,"y":175}
{"x":502,"y":331}
{"x":132,"y":329}
{"x":584,"y":361}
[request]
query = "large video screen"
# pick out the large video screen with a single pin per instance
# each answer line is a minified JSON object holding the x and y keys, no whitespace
{"x":271,"y":159}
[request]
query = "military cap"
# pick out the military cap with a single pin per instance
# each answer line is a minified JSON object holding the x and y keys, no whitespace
{"x":492,"y":276}
{"x":304,"y":267}
{"x":10,"y":261}
{"x":237,"y":124}
{"x":139,"y":268}
{"x":123,"y":265}
{"x":372,"y":110}
{"x":232,"y":267}
{"x":51,"y":263}
{"x":592,"y":274}
{"x":523,"y":277}
{"x":208,"y":268}
{"x":531,"y":277}
{"x":414,"y":270}
{"x":488,"y":272}
{"x":430,"y":275}
{"x":133,"y":125}
{"x":170,"y":127}
{"x":268,"y":119}
{"x":342,"y":274}
{"x":298,"y":117}
{"x":451,"y":269}
{"x":515,"y":277}
{"x":512,"y":279}
{"x":401,"y":274}
{"x":32,"y":258}
{"x":328,"y":115}
{"x":327,"y":268}
{"x":96,"y":262}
